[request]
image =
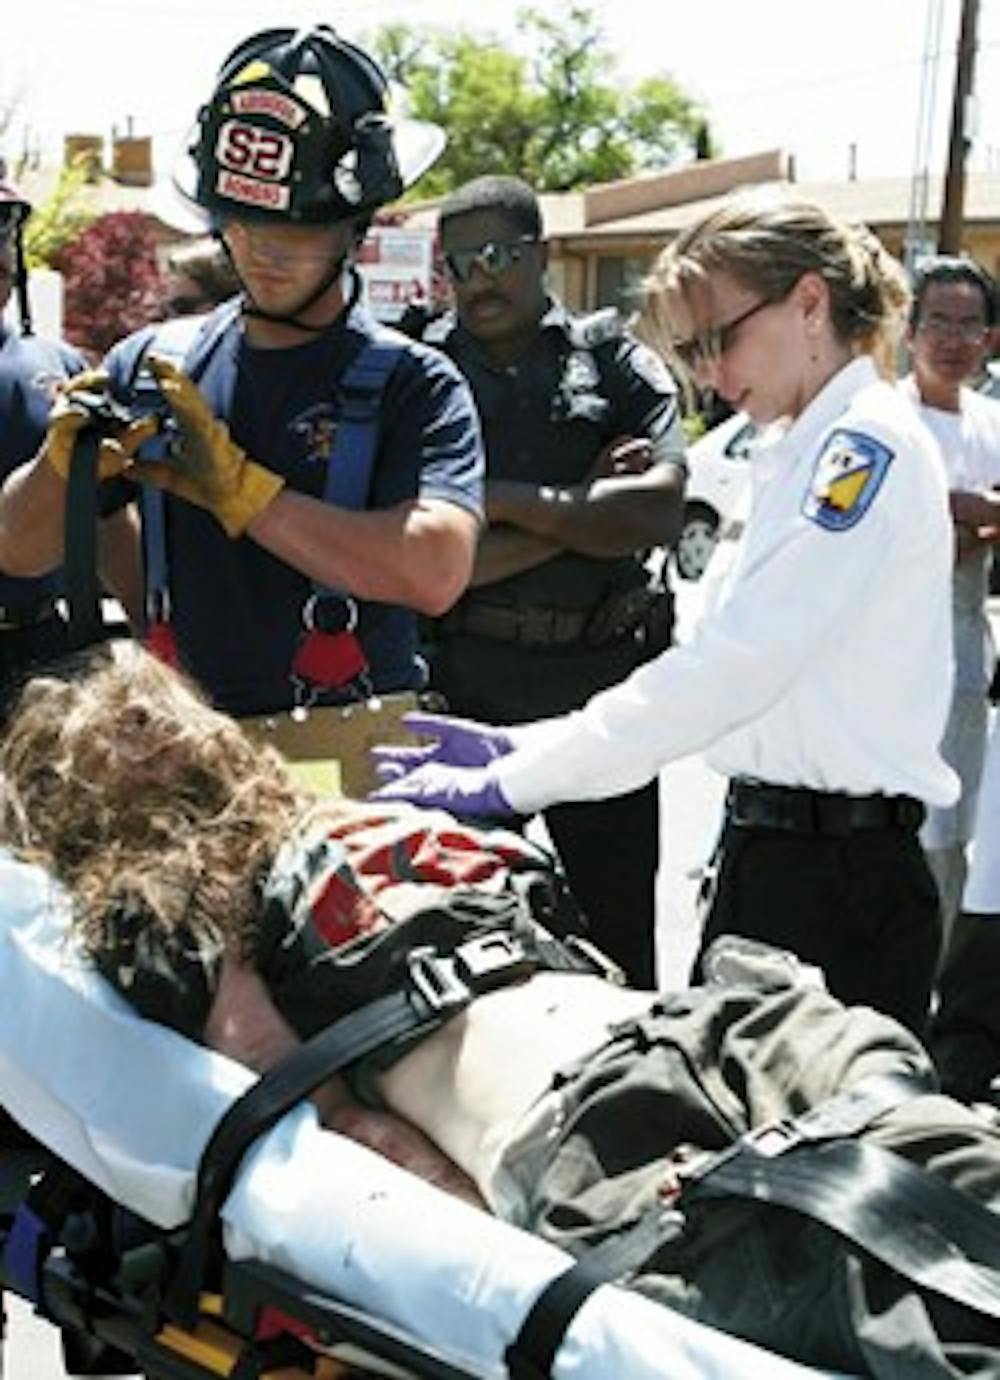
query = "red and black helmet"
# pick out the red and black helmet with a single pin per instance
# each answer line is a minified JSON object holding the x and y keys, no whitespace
{"x":298,"y":129}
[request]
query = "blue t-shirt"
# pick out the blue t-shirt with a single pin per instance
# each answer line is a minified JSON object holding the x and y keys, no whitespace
{"x":31,"y":369}
{"x":237,"y":609}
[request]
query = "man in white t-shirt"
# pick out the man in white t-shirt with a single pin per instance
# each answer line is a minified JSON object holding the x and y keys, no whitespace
{"x":953,"y":315}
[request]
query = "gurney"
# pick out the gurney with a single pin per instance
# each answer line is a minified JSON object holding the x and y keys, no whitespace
{"x":329,"y":1257}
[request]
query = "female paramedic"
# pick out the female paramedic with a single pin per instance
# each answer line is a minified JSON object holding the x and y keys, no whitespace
{"x":819,"y":680}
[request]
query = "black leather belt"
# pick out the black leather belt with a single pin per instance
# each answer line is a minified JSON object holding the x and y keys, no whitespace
{"x":527,"y":625}
{"x":756,"y":805}
{"x":26,"y":615}
{"x":531,"y":625}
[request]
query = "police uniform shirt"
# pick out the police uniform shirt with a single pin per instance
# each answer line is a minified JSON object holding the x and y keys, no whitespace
{"x":31,"y":369}
{"x":236,"y":608}
{"x":583,"y":382}
{"x":827,"y":663}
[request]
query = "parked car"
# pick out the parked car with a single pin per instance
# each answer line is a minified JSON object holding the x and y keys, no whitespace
{"x":718,"y":474}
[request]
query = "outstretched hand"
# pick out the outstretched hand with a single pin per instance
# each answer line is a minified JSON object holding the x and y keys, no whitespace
{"x":457,"y":743}
{"x":468,"y":792}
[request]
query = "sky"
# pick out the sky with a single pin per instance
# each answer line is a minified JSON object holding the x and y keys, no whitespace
{"x":839,"y":86}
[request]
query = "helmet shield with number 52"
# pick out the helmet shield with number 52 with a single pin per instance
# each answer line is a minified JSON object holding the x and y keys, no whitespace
{"x":298,"y":129}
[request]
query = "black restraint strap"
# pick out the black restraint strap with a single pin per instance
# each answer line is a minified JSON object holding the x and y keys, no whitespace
{"x":939,"y":1238}
{"x":287,"y":1084}
{"x":920,"y":1226}
{"x":83,"y":595}
{"x":532,"y":1353}
{"x":439,"y":986}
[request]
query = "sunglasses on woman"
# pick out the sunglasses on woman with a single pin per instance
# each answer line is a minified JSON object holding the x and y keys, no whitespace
{"x":714,"y":343}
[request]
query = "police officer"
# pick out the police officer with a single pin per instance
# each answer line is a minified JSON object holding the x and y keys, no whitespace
{"x":585,"y":474}
{"x":285,"y":566}
{"x":820,"y":681}
{"x":31,"y":369}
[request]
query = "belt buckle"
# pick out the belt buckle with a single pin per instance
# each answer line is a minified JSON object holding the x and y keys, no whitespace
{"x":773,"y":1138}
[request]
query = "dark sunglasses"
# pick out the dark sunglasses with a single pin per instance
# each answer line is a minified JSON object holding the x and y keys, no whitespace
{"x":497,"y":256}
{"x":714,"y":343}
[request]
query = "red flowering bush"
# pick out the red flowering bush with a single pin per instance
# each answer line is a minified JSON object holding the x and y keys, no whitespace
{"x":111,"y":280}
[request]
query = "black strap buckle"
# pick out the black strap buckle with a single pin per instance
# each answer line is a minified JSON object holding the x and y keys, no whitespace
{"x":493,"y":960}
{"x":435,"y":980}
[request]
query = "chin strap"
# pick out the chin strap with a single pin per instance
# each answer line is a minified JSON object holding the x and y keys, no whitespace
{"x":292,"y":318}
{"x":21,"y":285}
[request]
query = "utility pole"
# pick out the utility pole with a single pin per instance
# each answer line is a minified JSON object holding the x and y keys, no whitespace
{"x":953,"y":205}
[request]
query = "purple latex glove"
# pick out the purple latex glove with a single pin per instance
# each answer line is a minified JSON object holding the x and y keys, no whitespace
{"x":458,"y":743}
{"x":471,"y":792}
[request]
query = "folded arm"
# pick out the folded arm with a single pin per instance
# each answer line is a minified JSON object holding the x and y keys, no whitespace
{"x":630,"y":500}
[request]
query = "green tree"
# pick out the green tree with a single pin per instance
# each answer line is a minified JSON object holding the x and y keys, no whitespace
{"x":59,"y":219}
{"x":555,"y":111}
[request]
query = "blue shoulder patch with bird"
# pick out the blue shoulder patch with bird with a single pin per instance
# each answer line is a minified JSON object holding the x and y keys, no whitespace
{"x":848,"y":473}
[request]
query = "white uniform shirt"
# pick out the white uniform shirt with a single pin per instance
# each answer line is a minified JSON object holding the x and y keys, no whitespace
{"x":827,"y":662}
{"x":970,"y":446}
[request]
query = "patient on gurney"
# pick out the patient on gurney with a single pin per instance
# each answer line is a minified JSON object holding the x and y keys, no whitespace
{"x":221,"y":899}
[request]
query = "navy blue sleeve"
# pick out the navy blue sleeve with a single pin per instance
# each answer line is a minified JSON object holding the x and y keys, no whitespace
{"x":640,"y":386}
{"x":431,"y":444}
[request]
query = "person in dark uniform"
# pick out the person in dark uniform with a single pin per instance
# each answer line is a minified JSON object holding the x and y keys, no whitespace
{"x":31,"y":369}
{"x":290,"y":578}
{"x":585,"y":475}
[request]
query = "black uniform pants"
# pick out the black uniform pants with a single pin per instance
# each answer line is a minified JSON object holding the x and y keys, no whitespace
{"x":861,"y":906}
{"x":609,"y":850}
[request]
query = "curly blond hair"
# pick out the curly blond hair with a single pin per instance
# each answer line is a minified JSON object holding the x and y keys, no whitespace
{"x":141,"y":799}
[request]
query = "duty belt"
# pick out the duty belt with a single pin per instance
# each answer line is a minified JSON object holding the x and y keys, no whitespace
{"x":793,"y":809}
{"x":531,"y":625}
{"x":26,"y":615}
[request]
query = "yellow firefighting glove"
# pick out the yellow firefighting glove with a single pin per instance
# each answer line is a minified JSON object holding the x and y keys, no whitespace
{"x":67,"y":419}
{"x":206,"y":466}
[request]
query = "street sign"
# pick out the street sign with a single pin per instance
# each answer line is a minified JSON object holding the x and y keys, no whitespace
{"x":395,"y":266}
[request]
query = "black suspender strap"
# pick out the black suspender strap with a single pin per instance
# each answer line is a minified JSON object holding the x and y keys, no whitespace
{"x":82,"y":586}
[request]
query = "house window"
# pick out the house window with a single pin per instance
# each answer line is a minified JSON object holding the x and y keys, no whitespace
{"x":618,"y":281}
